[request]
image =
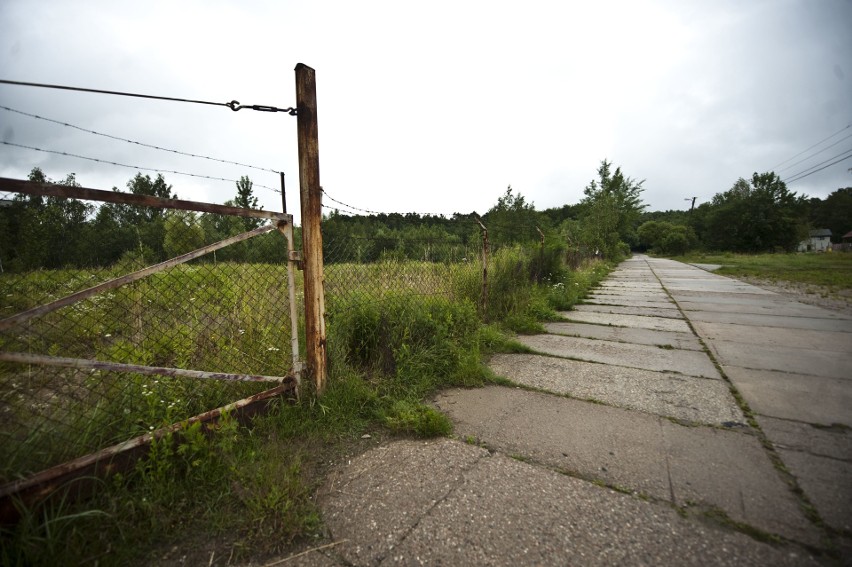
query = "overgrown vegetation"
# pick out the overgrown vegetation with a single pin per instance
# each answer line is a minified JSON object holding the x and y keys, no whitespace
{"x":393,"y":341}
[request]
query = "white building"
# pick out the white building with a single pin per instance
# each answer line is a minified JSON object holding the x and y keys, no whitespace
{"x":819,"y":240}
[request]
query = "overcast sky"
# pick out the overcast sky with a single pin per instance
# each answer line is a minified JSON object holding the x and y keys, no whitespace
{"x":436,"y":107}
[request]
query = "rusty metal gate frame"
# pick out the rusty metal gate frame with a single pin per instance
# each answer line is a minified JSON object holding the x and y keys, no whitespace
{"x":284,"y":225}
{"x":117,"y":456}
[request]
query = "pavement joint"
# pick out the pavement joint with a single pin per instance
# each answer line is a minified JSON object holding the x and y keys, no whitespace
{"x":808,"y":509}
{"x":595,"y":459}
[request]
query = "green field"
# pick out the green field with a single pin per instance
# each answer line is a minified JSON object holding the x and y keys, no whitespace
{"x":832,"y":270}
{"x":397,"y":331}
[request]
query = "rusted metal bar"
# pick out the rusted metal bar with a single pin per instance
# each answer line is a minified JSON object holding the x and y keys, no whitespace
{"x":540,"y":255}
{"x":120,"y":457}
{"x":85,"y":364}
{"x":311,"y":205}
{"x":484,"y":297}
{"x":283,"y":194}
{"x":286,"y":228}
{"x":132,"y":277}
{"x":50,"y":190}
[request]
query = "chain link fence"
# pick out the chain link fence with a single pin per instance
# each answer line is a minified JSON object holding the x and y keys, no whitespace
{"x":145,"y":346}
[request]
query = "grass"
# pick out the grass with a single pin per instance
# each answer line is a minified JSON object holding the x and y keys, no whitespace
{"x":248,"y":492}
{"x":831,"y":270}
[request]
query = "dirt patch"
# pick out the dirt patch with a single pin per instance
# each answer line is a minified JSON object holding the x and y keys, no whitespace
{"x":839,"y":301}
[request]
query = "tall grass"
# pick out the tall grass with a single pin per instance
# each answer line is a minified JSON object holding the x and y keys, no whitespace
{"x":831,"y":269}
{"x":248,"y":491}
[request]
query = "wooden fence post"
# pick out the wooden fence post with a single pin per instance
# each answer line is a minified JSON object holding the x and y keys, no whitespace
{"x":311,"y":205}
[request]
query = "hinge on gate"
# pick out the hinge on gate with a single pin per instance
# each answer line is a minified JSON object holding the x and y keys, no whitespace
{"x":296,"y":256}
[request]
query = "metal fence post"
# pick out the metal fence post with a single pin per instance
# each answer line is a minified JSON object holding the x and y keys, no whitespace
{"x":539,"y":277}
{"x":311,"y":205}
{"x":484,"y":295}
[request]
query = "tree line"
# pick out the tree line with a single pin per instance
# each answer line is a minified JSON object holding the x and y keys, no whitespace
{"x":52,"y":232}
{"x":755,"y":215}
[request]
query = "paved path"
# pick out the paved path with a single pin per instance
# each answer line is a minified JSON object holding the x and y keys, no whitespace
{"x":679,"y":417}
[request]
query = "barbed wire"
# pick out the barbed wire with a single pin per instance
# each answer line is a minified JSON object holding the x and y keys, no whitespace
{"x":233,"y":105}
{"x":357,"y":210}
{"x":21,"y":112}
{"x":156,"y":170}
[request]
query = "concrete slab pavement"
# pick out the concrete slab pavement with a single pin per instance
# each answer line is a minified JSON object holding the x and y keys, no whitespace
{"x":648,"y":357}
{"x":634,"y":321}
{"x":684,"y":341}
{"x":483,"y":508}
{"x":790,"y":362}
{"x":681,"y":397}
{"x":691,"y":476}
{"x":671,"y":313}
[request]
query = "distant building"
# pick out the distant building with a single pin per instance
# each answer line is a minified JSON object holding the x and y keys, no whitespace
{"x":819,"y":240}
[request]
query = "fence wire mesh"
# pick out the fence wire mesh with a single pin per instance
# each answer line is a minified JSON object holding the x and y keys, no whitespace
{"x":391,"y":267}
{"x":225,"y":312}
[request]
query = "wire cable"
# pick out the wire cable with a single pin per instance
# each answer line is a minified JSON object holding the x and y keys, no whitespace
{"x":357,"y":210}
{"x":806,"y":172}
{"x":812,"y":147}
{"x":156,"y":170}
{"x":233,"y":105}
{"x":137,"y":143}
{"x":814,"y":155}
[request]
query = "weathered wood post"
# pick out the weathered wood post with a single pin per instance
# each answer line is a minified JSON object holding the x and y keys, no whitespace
{"x":311,"y":205}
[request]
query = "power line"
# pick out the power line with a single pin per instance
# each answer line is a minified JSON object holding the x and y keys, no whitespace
{"x":810,"y":148}
{"x":814,"y":155}
{"x":156,"y":170}
{"x":233,"y":105}
{"x":805,"y":173}
{"x":135,"y":142}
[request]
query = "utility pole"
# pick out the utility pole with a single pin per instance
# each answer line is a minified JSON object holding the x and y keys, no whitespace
{"x":693,"y":202}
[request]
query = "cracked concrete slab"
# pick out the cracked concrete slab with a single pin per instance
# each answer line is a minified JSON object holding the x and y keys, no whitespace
{"x":757,"y":320}
{"x":397,"y":503}
{"x":770,"y":308}
{"x":629,"y":310}
{"x":774,"y":336}
{"x":811,"y":399}
{"x":635,"y":321}
{"x":826,"y":482}
{"x":730,"y":471}
{"x":835,"y":442}
{"x":726,"y":469}
{"x":617,"y":299}
{"x":803,"y":361}
{"x":691,"y":363}
{"x":671,"y":395}
{"x":683,"y":341}
{"x":504,"y":512}
{"x":617,"y":446}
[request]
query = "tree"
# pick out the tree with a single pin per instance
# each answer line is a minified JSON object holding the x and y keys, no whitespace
{"x":511,"y":220}
{"x":755,"y":216}
{"x":834,"y":213}
{"x":245,"y":199}
{"x":183,"y":233}
{"x":610,"y":209}
{"x":47,"y":232}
